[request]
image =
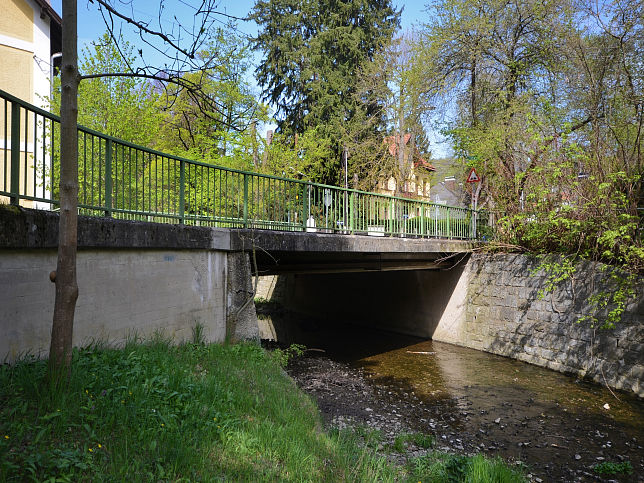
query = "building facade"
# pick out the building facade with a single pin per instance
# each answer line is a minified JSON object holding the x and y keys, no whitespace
{"x":30,"y":44}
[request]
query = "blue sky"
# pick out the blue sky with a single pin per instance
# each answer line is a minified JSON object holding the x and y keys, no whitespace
{"x":91,"y":25}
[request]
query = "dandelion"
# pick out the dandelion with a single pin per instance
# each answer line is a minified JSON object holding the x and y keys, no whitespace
{"x":162,"y":425}
{"x":90,"y":450}
{"x":99,"y":446}
{"x":214,"y":419}
{"x":6,"y":436}
{"x":86,"y":391}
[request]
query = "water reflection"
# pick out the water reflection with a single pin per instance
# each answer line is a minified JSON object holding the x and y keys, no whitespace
{"x":437,"y":371}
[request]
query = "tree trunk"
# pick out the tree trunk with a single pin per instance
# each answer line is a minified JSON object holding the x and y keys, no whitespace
{"x":60,"y":351}
{"x":400,"y":184}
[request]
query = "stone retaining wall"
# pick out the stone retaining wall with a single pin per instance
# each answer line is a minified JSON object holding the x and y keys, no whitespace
{"x":496,"y":307}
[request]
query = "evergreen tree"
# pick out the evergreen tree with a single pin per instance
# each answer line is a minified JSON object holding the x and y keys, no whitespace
{"x":313,"y":51}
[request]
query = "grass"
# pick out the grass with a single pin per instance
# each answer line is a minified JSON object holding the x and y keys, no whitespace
{"x":194,"y":412}
{"x":608,"y":468}
{"x":442,"y":467}
{"x":402,"y":441}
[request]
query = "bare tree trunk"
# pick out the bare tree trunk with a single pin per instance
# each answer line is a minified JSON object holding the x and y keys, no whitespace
{"x":400,"y":184}
{"x":60,"y":351}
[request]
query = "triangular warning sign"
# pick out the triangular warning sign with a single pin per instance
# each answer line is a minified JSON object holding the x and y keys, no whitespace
{"x":473,"y":177}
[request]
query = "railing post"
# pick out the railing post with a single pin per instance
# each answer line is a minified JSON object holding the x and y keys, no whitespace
{"x":422,"y":219}
{"x":449,"y":230}
{"x":305,"y":206}
{"x":15,"y":153}
{"x":352,"y":213}
{"x":108,"y":177}
{"x":245,"y":200}
{"x":182,"y":191}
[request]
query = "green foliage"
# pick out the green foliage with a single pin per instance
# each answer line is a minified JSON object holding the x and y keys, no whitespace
{"x":422,"y":440}
{"x":219,"y":125}
{"x":312,"y":53}
{"x":607,"y":468}
{"x":605,"y":307}
{"x":122,"y":106}
{"x":557,"y":270}
{"x":159,"y":412}
{"x":283,"y":356}
{"x":442,"y":467}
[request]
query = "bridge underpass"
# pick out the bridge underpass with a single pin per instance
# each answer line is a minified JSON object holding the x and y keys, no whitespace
{"x":397,"y":284}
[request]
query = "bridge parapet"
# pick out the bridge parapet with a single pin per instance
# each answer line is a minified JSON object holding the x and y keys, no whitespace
{"x":121,"y":180}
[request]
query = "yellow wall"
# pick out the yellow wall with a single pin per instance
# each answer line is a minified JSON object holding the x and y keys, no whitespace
{"x":16,"y":72}
{"x":17,"y":20}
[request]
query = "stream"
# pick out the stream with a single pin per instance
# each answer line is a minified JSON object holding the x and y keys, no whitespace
{"x":556,"y":425}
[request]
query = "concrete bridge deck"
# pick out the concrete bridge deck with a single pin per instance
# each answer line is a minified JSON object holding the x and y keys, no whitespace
{"x":275,"y":251}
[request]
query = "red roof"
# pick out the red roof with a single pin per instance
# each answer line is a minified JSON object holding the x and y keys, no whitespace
{"x":393,"y":143}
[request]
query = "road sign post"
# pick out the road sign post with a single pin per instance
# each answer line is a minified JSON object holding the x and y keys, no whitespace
{"x":473,"y":178}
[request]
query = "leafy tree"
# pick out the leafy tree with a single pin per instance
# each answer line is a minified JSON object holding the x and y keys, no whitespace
{"x":122,"y":107}
{"x":312,"y":53}
{"x":400,"y":98}
{"x":223,"y":130}
{"x":547,"y":103}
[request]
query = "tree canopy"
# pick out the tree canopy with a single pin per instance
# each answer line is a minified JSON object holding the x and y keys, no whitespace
{"x":312,"y":52}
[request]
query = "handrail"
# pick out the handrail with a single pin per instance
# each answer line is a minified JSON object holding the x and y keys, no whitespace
{"x":122,"y":179}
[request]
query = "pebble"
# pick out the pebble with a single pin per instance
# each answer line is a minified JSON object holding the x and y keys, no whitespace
{"x":497,"y":420}
{"x":577,"y":457}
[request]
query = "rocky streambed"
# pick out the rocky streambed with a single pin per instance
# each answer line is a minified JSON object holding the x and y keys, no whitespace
{"x":559,"y":428}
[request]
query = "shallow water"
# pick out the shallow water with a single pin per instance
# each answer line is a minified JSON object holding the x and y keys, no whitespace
{"x":556,"y":423}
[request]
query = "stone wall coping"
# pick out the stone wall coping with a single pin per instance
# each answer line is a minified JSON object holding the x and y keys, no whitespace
{"x":23,"y":228}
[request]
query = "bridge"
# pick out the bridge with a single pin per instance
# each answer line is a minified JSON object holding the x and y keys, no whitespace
{"x":118,"y":179}
{"x":166,"y":242}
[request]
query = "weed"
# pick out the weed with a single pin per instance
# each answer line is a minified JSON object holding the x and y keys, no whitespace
{"x":422,"y":440}
{"x":442,"y":467}
{"x":282,"y":356}
{"x":610,"y":468}
{"x":198,"y":334}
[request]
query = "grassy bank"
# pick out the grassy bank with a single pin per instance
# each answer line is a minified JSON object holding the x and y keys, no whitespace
{"x":192,"y":412}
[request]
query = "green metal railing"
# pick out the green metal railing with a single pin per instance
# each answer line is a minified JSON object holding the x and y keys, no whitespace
{"x":122,"y":180}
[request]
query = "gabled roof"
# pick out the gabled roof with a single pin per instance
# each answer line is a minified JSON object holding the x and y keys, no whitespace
{"x":393,"y":143}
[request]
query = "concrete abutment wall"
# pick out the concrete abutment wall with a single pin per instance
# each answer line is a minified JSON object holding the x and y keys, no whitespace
{"x":134,"y":279}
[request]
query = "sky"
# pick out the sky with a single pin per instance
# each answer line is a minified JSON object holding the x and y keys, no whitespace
{"x":91,"y":25}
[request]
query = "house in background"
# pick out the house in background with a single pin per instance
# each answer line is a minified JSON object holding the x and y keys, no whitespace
{"x":417,"y":185}
{"x":30,"y":42}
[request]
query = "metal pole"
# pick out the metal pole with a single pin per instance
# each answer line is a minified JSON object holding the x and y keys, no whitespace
{"x":15,"y":153}
{"x":246,"y":200}
{"x":346,"y":187}
{"x":108,"y":177}
{"x":182,"y":191}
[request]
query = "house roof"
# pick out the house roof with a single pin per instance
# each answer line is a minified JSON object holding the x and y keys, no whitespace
{"x":393,"y":143}
{"x":49,"y":10}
